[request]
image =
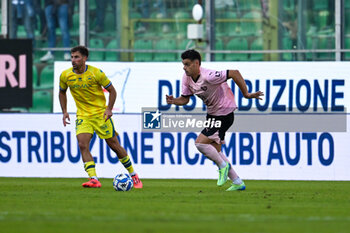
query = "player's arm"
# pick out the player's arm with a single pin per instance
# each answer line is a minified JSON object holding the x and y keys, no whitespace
{"x":238,"y":79}
{"x":111,"y":100}
{"x":182,"y":100}
{"x":63,"y":102}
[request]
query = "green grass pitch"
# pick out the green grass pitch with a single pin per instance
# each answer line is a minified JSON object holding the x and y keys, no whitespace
{"x":62,"y":205}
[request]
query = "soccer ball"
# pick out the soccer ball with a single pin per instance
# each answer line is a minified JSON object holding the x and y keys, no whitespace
{"x":122,"y":182}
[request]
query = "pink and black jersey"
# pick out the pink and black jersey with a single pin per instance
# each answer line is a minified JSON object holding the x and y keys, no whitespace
{"x":212,"y":88}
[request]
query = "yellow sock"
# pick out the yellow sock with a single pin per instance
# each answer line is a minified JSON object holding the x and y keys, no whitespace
{"x":127,"y":164}
{"x":90,"y":169}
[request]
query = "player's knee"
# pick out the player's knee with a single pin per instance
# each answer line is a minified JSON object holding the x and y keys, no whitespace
{"x":201,"y":147}
{"x":83,"y":146}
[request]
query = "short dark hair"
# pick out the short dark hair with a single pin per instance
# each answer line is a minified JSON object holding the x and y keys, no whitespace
{"x":81,"y":49}
{"x":192,"y":55}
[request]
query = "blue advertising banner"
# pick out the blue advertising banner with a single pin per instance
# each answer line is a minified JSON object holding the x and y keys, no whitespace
{"x":38,"y":145}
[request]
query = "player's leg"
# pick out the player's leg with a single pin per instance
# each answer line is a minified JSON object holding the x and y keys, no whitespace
{"x":89,"y":164}
{"x":231,"y":173}
{"x":237,"y":183}
{"x":112,"y":141}
{"x":114,"y":144}
{"x":212,"y":136}
{"x":204,"y":145}
{"x":84,"y":133}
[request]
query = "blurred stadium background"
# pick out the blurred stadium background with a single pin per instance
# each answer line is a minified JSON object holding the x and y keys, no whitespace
{"x":148,"y":31}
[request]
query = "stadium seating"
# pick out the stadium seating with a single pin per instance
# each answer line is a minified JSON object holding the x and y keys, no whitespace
{"x":288,"y":5}
{"x":135,"y":17}
{"x":326,"y":42}
{"x":235,"y":45}
{"x":92,"y":5}
{"x":42,"y":101}
{"x":247,"y":5}
{"x":96,"y":43}
{"x":74,"y":30}
{"x":185,"y":44}
{"x":321,"y":19}
{"x":251,"y":24}
{"x":347,"y":21}
{"x":347,"y":46}
{"x":35,"y":77}
{"x":46,"y":77}
{"x":165,"y":44}
{"x":180,"y":26}
{"x":347,"y":4}
{"x":347,"y":17}
{"x":219,"y":45}
{"x":156,"y":27}
{"x":257,"y":44}
{"x":287,"y":43}
{"x":110,"y":25}
{"x":143,"y":44}
{"x":320,"y":5}
{"x":231,"y":28}
{"x":38,"y":54}
{"x":59,"y":54}
{"x":311,"y":43}
{"x":110,"y":55}
{"x":235,"y":19}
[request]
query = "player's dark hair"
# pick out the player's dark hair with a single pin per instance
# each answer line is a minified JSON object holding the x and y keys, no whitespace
{"x":192,"y":55}
{"x":81,"y":49}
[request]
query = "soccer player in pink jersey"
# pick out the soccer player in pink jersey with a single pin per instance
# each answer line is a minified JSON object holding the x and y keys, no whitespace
{"x":212,"y":88}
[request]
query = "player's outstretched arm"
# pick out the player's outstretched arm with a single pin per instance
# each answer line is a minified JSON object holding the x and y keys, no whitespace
{"x":238,"y":79}
{"x":182,"y":100}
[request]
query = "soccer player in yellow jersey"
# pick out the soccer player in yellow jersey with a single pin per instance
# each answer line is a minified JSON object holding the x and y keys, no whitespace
{"x":85,"y":83}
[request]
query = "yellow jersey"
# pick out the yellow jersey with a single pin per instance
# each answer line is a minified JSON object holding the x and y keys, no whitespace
{"x":86,"y":89}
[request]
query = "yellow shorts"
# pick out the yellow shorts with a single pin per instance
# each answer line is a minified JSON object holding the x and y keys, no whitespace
{"x":90,"y":125}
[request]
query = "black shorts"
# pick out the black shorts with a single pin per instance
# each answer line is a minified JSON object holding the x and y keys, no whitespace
{"x":226,"y":122}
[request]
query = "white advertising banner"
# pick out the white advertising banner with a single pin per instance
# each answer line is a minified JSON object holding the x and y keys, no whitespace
{"x":37,"y":145}
{"x":288,"y":86}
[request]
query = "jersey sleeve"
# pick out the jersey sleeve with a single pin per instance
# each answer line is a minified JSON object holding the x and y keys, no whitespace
{"x":103,"y":80}
{"x":63,"y":82}
{"x":186,"y":91}
{"x":217,"y":77}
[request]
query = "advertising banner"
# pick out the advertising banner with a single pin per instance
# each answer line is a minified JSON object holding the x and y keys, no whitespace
{"x":298,"y":131}
{"x":288,"y":86}
{"x":16,"y":73}
{"x":38,"y":145}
